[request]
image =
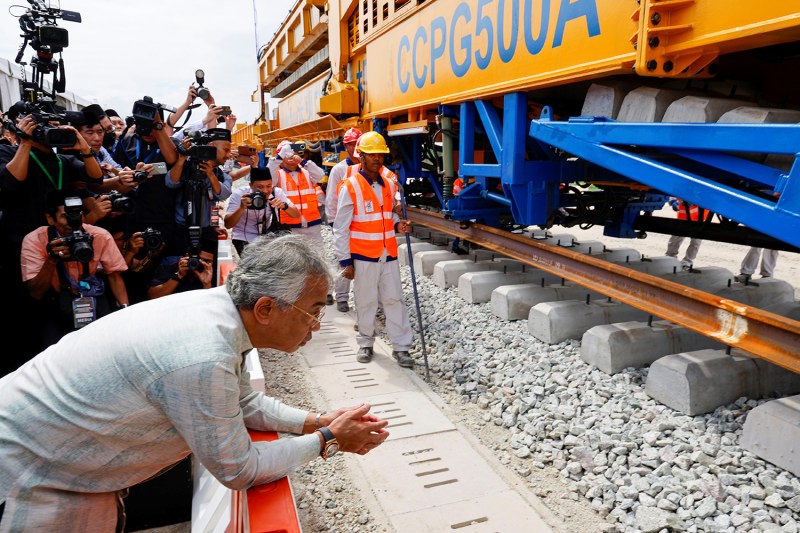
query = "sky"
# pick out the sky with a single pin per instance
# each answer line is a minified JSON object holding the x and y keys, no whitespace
{"x":126,"y":49}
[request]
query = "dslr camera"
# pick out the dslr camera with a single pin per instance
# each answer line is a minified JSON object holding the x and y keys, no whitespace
{"x":121,"y":203}
{"x":79,"y":242}
{"x":152,"y":239}
{"x":258,"y":200}
{"x":144,"y":114}
{"x":194,"y":263}
{"x":202,"y":92}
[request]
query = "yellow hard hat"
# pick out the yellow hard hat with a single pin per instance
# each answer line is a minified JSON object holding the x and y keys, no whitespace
{"x":372,"y":142}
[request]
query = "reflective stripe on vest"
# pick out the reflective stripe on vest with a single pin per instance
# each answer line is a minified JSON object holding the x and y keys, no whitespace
{"x":694,"y":212}
{"x":301,"y":194}
{"x":372,"y":231}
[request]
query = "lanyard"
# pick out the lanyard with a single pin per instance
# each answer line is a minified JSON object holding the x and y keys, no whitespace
{"x":46,"y":173}
{"x":149,"y":155}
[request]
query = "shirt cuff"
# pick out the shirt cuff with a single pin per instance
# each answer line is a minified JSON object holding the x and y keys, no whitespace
{"x":346,"y":263}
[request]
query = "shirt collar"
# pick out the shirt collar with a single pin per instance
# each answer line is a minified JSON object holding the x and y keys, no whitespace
{"x":379,"y":180}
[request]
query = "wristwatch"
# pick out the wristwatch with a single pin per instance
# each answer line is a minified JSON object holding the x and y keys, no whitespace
{"x":158,"y":126}
{"x":176,"y":276}
{"x":85,"y":156}
{"x":331,"y":446}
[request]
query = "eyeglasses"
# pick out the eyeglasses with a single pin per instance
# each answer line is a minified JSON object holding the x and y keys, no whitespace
{"x":317,"y":318}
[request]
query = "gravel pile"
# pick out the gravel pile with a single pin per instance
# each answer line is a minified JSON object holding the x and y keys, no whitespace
{"x":640,"y":465}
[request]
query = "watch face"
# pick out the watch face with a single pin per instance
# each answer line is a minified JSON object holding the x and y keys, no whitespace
{"x":331,"y":449}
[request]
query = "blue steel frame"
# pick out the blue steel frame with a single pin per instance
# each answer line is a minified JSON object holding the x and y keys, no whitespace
{"x":703,"y":173}
{"x":530,"y":200}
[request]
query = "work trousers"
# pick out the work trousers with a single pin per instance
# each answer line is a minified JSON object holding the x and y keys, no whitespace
{"x":673,"y":247}
{"x":768,"y":260}
{"x":379,"y":283}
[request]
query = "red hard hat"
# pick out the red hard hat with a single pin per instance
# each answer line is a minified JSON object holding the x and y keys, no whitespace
{"x":351,"y":135}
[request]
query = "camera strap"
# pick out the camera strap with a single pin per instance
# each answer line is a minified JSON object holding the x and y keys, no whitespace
{"x":47,"y":173}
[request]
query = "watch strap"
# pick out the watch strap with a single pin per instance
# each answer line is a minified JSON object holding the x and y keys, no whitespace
{"x":327,"y":434}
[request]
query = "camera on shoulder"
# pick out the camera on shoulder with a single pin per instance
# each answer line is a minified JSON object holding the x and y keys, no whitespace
{"x":144,"y":114}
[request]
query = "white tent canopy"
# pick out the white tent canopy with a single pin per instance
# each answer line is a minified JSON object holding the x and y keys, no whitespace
{"x":11,"y":84}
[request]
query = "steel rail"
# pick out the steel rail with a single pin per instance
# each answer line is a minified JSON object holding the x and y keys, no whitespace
{"x":771,"y":337}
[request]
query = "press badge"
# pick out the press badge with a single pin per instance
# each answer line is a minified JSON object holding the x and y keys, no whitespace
{"x":368,"y":206}
{"x":84,"y":311}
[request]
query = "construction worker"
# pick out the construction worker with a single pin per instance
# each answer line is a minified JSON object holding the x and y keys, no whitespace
{"x":364,"y":238}
{"x":297,"y":177}
{"x":685,"y":212}
{"x":341,"y":286}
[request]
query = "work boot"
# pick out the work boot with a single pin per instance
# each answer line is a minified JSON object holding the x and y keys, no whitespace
{"x":364,"y":354}
{"x":743,"y":278}
{"x":329,"y":300}
{"x":403,"y":359}
{"x":342,"y":307}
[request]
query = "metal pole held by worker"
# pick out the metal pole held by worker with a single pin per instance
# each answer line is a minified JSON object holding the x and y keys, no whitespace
{"x":414,"y":283}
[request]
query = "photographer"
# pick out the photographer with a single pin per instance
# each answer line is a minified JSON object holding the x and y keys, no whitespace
{"x":199,"y":179}
{"x":248,"y":220}
{"x":27,"y":172}
{"x":143,"y":145}
{"x":54,"y":275}
{"x":181,"y":274}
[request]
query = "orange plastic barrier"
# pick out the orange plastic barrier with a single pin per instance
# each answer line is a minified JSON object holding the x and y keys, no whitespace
{"x":224,"y":270}
{"x":271,"y":507}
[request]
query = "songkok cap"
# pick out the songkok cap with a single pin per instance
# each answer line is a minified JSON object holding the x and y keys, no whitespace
{"x":218,"y":134}
{"x":92,"y":115}
{"x":260,"y":174}
{"x":112,"y":113}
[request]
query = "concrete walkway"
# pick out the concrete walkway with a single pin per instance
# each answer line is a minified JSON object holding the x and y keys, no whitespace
{"x":431,"y":474}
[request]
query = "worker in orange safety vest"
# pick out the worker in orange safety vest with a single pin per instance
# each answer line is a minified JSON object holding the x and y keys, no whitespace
{"x":364,"y":238}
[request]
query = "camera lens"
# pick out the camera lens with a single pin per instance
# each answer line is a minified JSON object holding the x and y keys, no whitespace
{"x":258,"y":201}
{"x":140,"y":176}
{"x":195,"y":264}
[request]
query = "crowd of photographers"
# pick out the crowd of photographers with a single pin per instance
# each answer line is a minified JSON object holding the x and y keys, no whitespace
{"x":99,"y":212}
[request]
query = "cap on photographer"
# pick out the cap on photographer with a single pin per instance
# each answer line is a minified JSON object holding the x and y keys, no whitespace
{"x":57,"y":258}
{"x":254,"y":209}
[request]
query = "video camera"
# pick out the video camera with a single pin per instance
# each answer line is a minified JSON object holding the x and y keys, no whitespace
{"x":44,"y":112}
{"x":144,"y":114}
{"x":198,"y":152}
{"x":39,"y":29}
{"x":79,"y":241}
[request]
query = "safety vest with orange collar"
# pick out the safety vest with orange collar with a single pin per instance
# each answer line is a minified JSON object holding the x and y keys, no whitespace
{"x":372,"y":227}
{"x":386,"y":174}
{"x":303,"y":195}
{"x":694,"y":212}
